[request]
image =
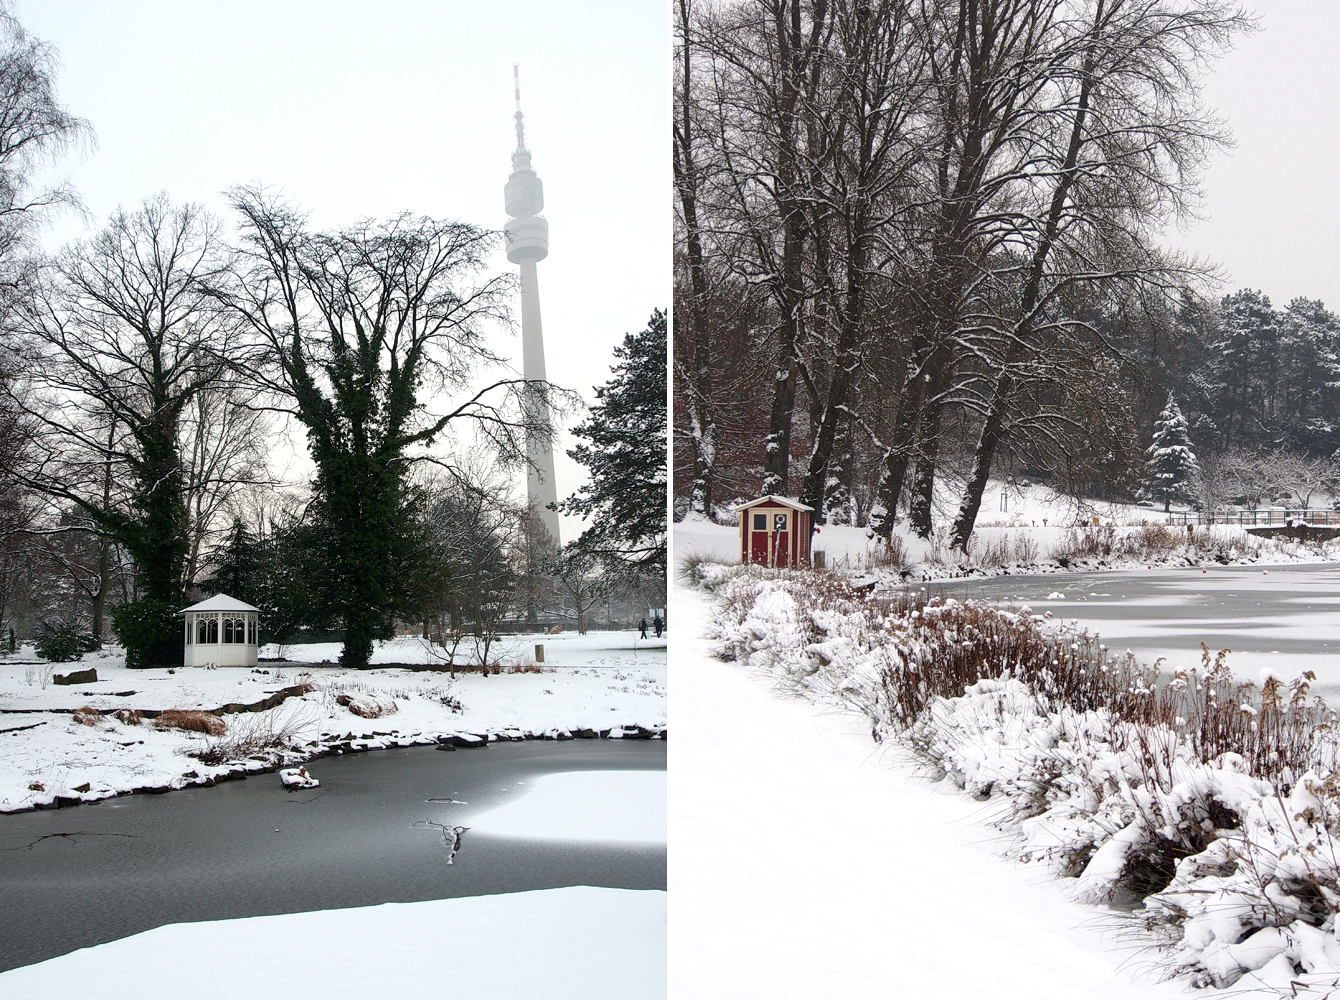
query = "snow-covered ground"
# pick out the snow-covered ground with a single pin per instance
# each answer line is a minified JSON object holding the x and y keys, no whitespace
{"x":1020,"y":533}
{"x":898,"y":880}
{"x":608,"y":684}
{"x":561,"y":944}
{"x":806,"y":863}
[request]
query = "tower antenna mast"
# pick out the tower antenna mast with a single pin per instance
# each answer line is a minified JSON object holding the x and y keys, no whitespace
{"x":520,"y":126}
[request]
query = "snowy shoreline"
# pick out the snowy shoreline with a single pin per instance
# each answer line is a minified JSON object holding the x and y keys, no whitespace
{"x":49,"y":758}
{"x":1137,"y":798}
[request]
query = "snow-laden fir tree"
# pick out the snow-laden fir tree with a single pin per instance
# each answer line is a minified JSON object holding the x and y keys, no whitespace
{"x":1172,"y":470}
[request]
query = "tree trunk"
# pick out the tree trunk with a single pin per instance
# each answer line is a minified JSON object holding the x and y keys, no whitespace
{"x":698,"y":383}
{"x":992,"y":431}
{"x":993,"y":425}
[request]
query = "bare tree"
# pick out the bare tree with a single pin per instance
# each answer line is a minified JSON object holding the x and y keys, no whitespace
{"x":224,"y":438}
{"x":373,"y":339}
{"x":120,"y":335}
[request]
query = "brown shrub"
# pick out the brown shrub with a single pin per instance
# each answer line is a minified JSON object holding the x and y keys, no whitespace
{"x":87,"y":716}
{"x":946,"y":646}
{"x":128,"y":716}
{"x":527,"y":668}
{"x":196,"y":722}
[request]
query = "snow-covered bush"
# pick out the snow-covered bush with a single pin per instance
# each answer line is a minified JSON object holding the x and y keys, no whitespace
{"x":1195,"y":801}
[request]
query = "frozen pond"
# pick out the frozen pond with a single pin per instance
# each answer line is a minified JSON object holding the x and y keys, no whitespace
{"x":374,"y":832}
{"x":1284,"y":617}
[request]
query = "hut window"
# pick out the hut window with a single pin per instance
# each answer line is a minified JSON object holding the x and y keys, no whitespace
{"x":760,"y":522}
{"x":227,"y":630}
{"x":213,"y":630}
{"x":251,"y":629}
{"x":188,"y":631}
{"x":201,"y":630}
{"x":779,"y":522}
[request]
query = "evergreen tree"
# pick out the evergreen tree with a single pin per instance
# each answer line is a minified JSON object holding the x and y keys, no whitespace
{"x":625,"y":451}
{"x":1172,"y":469}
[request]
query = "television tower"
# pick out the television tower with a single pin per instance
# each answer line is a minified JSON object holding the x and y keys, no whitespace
{"x":527,"y":236}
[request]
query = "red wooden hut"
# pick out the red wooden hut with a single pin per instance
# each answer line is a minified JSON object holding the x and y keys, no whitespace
{"x":775,"y":531}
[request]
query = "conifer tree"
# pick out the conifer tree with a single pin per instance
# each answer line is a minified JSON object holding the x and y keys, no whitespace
{"x":1172,"y":470}
{"x":624,"y":447}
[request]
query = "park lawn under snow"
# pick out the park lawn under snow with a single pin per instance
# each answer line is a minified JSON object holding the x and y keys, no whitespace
{"x":609,"y":684}
{"x":571,"y":942}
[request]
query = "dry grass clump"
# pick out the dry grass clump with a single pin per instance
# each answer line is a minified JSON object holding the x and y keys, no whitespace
{"x":87,"y":716}
{"x":128,"y":716}
{"x":192,"y":721}
{"x":890,"y":555}
{"x":1146,"y":541}
{"x":528,"y":668}
{"x":262,"y":735}
{"x":1003,"y":550}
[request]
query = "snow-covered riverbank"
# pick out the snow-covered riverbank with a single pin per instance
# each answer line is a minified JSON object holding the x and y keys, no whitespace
{"x":1211,"y":818}
{"x":610,"y":685}
{"x":565,"y":942}
{"x":809,"y":862}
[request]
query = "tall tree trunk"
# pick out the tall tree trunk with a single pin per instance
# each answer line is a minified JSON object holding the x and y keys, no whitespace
{"x":994,"y":423}
{"x":697,"y":379}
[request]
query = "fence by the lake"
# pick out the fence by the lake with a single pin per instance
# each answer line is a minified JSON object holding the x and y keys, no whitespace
{"x":1272,"y":517}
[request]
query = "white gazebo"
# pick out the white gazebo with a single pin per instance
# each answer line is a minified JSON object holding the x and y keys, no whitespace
{"x":221,"y":632}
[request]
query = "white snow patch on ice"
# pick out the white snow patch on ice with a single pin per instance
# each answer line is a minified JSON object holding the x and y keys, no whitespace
{"x":627,"y":806}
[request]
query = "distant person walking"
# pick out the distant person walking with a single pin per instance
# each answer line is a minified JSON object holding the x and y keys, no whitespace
{"x":657,"y":625}
{"x":644,"y":628}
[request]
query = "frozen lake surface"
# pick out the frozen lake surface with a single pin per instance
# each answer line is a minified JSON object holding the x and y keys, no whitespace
{"x":373,"y":832}
{"x":1285,"y":617}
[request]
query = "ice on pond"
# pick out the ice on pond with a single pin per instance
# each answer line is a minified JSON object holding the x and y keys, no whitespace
{"x":626,"y":806}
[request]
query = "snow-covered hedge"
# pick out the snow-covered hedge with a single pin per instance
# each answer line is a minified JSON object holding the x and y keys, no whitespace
{"x":1207,"y":808}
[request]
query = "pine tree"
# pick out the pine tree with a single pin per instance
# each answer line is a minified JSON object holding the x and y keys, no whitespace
{"x":1172,"y":470}
{"x":625,"y":451}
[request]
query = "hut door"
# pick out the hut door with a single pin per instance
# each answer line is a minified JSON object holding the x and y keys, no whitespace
{"x":781,"y":544}
{"x":758,"y":540}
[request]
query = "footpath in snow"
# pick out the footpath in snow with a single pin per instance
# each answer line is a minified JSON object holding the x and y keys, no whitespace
{"x":808,"y":863}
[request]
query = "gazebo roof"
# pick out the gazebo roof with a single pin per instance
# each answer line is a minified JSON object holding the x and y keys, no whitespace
{"x":219,"y":602}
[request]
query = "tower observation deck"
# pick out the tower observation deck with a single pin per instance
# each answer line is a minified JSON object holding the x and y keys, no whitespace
{"x":527,"y":239}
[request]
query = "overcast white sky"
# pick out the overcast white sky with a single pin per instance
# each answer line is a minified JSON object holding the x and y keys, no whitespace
{"x":356,"y":109}
{"x":1273,"y":204}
